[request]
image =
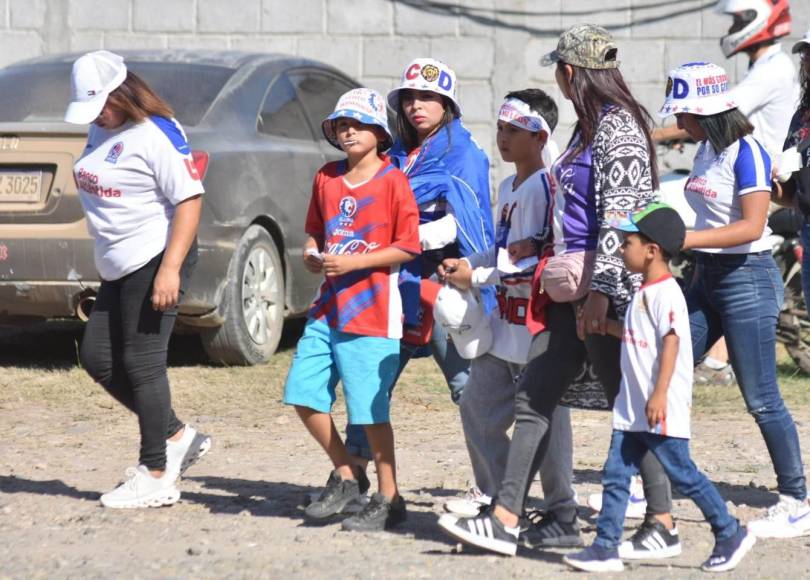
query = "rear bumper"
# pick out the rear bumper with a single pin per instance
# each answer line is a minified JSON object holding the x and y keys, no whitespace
{"x":24,"y":300}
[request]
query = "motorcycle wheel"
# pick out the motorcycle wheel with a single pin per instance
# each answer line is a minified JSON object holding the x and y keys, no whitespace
{"x":793,"y":329}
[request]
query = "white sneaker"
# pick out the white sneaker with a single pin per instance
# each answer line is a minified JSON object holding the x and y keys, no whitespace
{"x":636,"y":504}
{"x":789,"y":518}
{"x":182,"y":454}
{"x":470,"y":505}
{"x":141,"y":490}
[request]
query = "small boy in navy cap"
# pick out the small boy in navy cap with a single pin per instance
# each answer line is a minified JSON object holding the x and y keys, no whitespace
{"x":654,"y":402}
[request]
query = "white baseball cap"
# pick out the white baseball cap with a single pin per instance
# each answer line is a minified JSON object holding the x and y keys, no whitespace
{"x":427,"y":74}
{"x":700,"y":88}
{"x":803,"y":43}
{"x":461,"y":313}
{"x":364,"y":105}
{"x":95,"y":76}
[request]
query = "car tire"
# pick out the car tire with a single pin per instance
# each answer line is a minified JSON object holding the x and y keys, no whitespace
{"x":253,"y":304}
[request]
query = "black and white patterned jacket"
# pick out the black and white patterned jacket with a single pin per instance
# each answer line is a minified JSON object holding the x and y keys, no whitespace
{"x":623,"y":184}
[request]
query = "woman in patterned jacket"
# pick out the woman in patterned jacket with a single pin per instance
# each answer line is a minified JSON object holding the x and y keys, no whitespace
{"x":607,"y":172}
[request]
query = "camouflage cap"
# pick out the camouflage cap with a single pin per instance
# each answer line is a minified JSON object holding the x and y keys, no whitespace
{"x":586,"y":46}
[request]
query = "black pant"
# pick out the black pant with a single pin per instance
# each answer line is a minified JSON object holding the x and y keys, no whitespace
{"x":543,"y":383}
{"x":124,"y":349}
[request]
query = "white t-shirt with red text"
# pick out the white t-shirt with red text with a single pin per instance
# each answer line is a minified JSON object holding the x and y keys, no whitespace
{"x":656,"y":309}
{"x":130,"y":179}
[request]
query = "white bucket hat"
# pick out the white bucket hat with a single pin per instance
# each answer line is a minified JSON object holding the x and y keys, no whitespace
{"x":95,"y":76}
{"x":461,"y":313}
{"x":803,"y":43}
{"x":700,"y":88}
{"x":364,"y":105}
{"x":427,"y":74}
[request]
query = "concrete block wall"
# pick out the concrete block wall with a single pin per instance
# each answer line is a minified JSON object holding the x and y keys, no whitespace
{"x":494,"y":45}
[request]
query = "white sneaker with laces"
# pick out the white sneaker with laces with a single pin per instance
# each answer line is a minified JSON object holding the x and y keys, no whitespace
{"x":636,"y":504}
{"x":470,"y":505}
{"x":141,"y":490}
{"x":182,"y":454}
{"x":789,"y":518}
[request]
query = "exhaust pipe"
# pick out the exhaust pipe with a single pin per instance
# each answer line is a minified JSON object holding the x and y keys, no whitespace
{"x":85,"y":307}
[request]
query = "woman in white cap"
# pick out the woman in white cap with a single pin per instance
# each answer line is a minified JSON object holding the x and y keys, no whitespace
{"x":449,"y":174}
{"x":141,"y":194}
{"x":737,"y":288}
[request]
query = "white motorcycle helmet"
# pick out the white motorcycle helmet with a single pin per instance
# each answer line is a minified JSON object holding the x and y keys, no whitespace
{"x":764,"y":20}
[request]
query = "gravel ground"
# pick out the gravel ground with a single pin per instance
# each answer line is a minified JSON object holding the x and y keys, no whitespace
{"x":63,"y":442}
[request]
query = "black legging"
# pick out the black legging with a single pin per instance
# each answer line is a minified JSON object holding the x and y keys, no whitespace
{"x":124,"y":349}
{"x":542,"y":384}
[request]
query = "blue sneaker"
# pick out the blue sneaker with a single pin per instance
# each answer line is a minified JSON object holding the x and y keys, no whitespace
{"x":729,"y":552}
{"x":596,"y":559}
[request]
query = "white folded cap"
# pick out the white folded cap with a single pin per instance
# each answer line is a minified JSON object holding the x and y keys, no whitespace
{"x":461,"y":313}
{"x":95,"y":76}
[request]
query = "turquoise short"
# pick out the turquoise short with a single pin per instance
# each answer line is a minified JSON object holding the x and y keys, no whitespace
{"x":367,"y":365}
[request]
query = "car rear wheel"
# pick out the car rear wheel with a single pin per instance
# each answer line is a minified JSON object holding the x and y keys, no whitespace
{"x":253,"y":304}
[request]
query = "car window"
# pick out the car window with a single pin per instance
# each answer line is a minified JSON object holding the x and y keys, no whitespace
{"x":281,"y":113}
{"x":319,"y":93}
{"x":41,"y":92}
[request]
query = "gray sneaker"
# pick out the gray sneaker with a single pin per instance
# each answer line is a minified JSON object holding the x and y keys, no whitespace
{"x":334,"y":498}
{"x":379,"y":514}
{"x":705,"y":375}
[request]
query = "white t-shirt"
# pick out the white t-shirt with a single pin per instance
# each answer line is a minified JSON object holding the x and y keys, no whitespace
{"x":522,"y":213}
{"x":129,"y":181}
{"x":719,"y":180}
{"x":769,"y":95}
{"x":656,"y":309}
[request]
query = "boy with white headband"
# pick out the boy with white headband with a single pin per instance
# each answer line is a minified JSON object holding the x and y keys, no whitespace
{"x":525,"y":122}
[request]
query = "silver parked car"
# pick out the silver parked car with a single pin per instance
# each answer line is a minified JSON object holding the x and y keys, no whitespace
{"x":253,"y":121}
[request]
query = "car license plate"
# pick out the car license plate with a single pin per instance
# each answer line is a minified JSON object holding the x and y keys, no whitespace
{"x":20,"y":186}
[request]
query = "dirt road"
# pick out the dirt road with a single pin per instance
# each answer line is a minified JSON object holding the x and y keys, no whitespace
{"x":63,"y":442}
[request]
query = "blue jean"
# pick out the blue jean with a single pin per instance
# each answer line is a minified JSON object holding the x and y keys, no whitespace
{"x":456,"y":371}
{"x":804,"y":234}
{"x":627,"y":448}
{"x":739,"y":296}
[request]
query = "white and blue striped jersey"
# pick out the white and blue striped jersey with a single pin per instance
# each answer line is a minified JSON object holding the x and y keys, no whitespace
{"x":719,"y":180}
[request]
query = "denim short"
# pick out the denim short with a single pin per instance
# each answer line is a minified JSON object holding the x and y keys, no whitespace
{"x":367,"y":366}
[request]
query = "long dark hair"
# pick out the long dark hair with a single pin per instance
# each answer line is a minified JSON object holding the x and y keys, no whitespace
{"x":407,"y":132}
{"x":591,"y":90}
{"x":137,"y":100}
{"x":723,"y":129}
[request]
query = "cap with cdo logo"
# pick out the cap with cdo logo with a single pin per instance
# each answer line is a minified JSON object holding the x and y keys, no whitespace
{"x":364,"y":105}
{"x":700,"y":88}
{"x":427,"y":74}
{"x":586,"y":46}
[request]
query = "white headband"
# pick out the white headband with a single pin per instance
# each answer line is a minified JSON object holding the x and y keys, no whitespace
{"x":518,"y":113}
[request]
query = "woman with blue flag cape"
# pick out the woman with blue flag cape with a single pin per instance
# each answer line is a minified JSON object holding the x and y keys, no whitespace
{"x":449,"y":175}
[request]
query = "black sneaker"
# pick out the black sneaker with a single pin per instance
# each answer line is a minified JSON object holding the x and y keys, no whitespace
{"x":483,"y":531}
{"x":728,"y":553}
{"x":334,"y":498}
{"x":362,"y":481}
{"x":551,"y":532}
{"x":379,"y":514}
{"x":652,"y":541}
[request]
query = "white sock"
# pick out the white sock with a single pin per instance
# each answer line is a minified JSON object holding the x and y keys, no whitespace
{"x":714,"y":364}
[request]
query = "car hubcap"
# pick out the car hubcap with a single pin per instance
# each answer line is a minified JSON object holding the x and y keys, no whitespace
{"x":260,"y":295}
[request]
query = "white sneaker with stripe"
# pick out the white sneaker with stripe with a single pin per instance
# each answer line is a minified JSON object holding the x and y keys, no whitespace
{"x":483,"y":531}
{"x":470,"y":505}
